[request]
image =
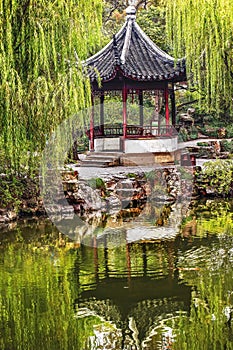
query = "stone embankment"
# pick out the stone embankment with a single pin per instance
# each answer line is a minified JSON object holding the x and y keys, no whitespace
{"x":115,"y":190}
{"x":109,"y":193}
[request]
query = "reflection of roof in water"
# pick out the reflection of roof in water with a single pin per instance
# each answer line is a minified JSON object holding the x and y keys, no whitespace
{"x":127,"y":293}
{"x":140,"y":323}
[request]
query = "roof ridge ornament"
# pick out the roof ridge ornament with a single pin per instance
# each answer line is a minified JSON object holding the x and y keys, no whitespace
{"x":116,"y":53}
{"x":131,"y":10}
{"x":130,"y":18}
{"x":125,"y":49}
{"x":132,"y":3}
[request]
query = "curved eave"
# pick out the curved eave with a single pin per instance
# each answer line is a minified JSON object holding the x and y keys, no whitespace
{"x":153,"y":47}
{"x":175,"y":77}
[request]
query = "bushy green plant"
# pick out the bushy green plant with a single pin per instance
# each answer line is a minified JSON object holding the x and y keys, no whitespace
{"x":218,"y":175}
{"x":183,"y":135}
{"x":203,"y":144}
{"x":227,"y":146}
{"x":229,"y":130}
{"x":131,"y":175}
{"x":211,"y":131}
{"x":193,"y":133}
{"x":97,"y":183}
{"x":11,"y":191}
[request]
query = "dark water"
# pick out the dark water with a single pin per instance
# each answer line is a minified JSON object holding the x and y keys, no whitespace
{"x":171,"y":290}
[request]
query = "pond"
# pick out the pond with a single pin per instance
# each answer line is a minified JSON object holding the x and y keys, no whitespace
{"x":170,"y":292}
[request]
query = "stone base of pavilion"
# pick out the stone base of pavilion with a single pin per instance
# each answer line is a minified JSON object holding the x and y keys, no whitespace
{"x":131,"y":159}
{"x":137,"y":145}
{"x":129,"y":152}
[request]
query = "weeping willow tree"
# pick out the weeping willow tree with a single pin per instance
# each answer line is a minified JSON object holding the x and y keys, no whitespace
{"x":40,"y":81}
{"x":201,"y":30}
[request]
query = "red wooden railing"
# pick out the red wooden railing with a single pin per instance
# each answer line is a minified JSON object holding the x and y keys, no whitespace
{"x":133,"y":131}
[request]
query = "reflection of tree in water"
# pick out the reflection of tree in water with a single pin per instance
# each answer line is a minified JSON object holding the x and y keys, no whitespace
{"x":207,"y":265}
{"x":208,"y":217}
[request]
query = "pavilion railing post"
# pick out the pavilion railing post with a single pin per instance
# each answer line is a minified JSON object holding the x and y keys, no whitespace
{"x":96,"y":260}
{"x":166,"y":106}
{"x":124,"y":98}
{"x":173,"y":105}
{"x":128,"y":262}
{"x":140,"y":97}
{"x":102,"y":112}
{"x":92,"y":125}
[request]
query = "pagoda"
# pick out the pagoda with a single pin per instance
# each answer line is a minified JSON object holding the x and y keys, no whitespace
{"x":135,"y":68}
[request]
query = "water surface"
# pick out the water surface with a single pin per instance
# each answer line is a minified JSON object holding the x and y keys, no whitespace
{"x":170,"y":292}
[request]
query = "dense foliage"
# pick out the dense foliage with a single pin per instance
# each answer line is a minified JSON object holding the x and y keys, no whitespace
{"x":151,"y":17}
{"x":40,"y":84}
{"x":37,"y":310}
{"x":202,"y":31}
{"x":217,"y":176}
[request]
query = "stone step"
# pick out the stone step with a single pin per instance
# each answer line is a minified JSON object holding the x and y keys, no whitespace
{"x":94,"y":163}
{"x":100,"y":160}
{"x":105,"y":154}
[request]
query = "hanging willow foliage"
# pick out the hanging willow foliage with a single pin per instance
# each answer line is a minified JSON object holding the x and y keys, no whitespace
{"x":40,"y":84}
{"x":202,"y":31}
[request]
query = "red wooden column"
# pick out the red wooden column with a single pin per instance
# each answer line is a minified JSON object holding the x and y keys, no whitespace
{"x":124,"y":98}
{"x":92,"y":125}
{"x":166,"y":105}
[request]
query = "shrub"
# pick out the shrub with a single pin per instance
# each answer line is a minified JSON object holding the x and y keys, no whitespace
{"x":193,"y":133}
{"x":219,"y":175}
{"x":229,"y":130}
{"x":183,"y":135}
{"x":97,"y":183}
{"x":227,"y":146}
{"x":203,"y":144}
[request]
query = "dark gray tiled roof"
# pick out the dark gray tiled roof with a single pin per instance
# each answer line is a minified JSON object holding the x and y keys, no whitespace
{"x":132,"y":53}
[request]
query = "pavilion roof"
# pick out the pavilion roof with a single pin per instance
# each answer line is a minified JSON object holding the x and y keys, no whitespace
{"x":132,"y":53}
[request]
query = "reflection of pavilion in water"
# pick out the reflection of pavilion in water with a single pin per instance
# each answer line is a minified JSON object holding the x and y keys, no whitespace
{"x":135,"y":286}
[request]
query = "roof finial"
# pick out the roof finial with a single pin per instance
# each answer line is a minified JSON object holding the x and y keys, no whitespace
{"x":132,"y":2}
{"x":131,"y":9}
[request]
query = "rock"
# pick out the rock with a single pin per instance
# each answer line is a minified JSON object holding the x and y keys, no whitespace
{"x":12,"y":215}
{"x":113,"y":204}
{"x":4,"y":219}
{"x":92,"y":199}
